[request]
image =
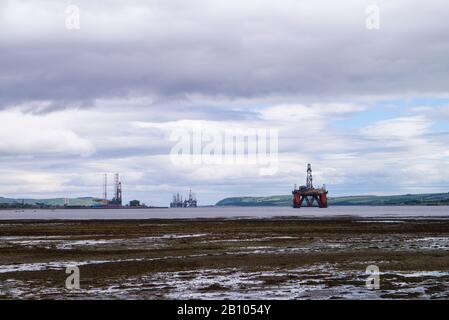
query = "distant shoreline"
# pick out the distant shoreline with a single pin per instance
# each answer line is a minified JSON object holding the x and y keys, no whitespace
{"x":217,"y":207}
{"x":430,"y":199}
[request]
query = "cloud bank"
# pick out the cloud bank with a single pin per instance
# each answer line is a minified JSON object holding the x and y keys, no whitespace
{"x":369,"y":108}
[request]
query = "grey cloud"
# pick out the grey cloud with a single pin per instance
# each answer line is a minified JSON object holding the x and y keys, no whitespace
{"x":224,"y":62}
{"x":169,"y":50}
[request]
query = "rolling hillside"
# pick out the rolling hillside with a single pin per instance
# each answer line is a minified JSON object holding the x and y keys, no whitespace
{"x":84,"y":201}
{"x":396,"y":200}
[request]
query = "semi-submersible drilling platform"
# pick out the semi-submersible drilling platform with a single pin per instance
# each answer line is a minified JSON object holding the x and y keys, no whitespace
{"x":309,"y":193}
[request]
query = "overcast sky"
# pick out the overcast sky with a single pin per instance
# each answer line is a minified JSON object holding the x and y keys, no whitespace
{"x":369,"y":108}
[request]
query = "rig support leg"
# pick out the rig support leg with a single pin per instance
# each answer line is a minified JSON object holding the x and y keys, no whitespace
{"x":323,"y":200}
{"x":297,"y":201}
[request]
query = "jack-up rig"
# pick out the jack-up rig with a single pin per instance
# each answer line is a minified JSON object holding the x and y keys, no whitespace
{"x":117,"y":200}
{"x":309,"y":193}
{"x":187,"y":203}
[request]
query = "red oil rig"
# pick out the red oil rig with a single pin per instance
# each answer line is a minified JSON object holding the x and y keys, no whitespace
{"x":309,"y":193}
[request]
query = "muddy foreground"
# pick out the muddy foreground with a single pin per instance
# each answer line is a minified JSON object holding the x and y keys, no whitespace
{"x":225,"y":259}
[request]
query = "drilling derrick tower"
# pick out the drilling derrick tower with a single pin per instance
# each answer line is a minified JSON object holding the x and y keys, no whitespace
{"x":118,"y":191}
{"x":309,"y":181}
{"x":309,"y":194}
{"x":104,"y":200}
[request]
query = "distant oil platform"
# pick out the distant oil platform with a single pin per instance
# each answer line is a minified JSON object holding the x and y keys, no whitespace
{"x":309,"y":194}
{"x":177,"y":201}
{"x":116,"y":201}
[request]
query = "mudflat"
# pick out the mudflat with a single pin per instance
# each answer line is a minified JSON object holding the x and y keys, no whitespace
{"x":278,"y":258}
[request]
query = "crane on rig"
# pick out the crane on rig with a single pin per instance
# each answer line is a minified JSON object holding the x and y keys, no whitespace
{"x":309,"y":194}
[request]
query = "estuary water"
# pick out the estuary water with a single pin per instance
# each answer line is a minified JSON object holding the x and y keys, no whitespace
{"x":229,"y":212}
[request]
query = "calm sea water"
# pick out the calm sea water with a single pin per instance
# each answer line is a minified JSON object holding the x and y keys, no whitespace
{"x":227,"y":212}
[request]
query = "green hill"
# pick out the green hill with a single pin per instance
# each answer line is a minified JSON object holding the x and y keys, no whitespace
{"x":83,"y":201}
{"x":278,"y":201}
{"x":396,"y":200}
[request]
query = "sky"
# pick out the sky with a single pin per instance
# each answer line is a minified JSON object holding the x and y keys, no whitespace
{"x":357,"y":88}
